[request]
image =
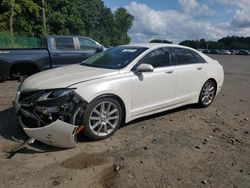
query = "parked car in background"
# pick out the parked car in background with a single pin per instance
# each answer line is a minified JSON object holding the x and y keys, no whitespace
{"x":114,"y":87}
{"x":225,"y":52}
{"x":206,"y":51}
{"x":60,"y":51}
{"x":215,"y":51}
{"x":243,"y":52}
{"x":233,"y":52}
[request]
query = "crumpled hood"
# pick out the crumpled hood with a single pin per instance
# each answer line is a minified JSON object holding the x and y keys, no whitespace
{"x":64,"y":76}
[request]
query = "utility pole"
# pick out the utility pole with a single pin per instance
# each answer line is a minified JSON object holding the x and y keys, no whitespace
{"x":44,"y":18}
{"x":11,"y":16}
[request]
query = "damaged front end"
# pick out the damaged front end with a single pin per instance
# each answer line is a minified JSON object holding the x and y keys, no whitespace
{"x":51,"y":116}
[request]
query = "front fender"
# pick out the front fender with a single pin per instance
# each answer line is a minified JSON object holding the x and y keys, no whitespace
{"x":121,"y":87}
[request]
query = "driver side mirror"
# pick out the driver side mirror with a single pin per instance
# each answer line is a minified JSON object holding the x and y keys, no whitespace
{"x":144,"y":68}
{"x":99,"y":49}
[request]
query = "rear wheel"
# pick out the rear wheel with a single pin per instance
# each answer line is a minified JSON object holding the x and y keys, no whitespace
{"x":1,"y":79}
{"x":21,"y":71}
{"x":207,"y":94}
{"x":102,"y":118}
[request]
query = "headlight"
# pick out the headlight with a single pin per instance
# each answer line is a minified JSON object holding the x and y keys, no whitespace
{"x":46,"y":106}
{"x":53,"y":94}
{"x":55,"y":97}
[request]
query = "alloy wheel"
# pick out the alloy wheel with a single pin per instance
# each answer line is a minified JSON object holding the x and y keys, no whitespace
{"x":207,"y":93}
{"x":104,"y":118}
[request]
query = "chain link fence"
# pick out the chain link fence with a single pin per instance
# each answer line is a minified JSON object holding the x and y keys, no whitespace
{"x":8,"y":41}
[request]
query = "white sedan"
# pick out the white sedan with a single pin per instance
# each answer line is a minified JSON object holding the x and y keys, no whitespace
{"x":112,"y":88}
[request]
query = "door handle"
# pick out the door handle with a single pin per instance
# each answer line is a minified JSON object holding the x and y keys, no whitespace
{"x":199,"y":68}
{"x":169,"y":71}
{"x":56,"y":55}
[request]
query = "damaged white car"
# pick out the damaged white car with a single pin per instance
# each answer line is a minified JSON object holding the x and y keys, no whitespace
{"x":113,"y":87}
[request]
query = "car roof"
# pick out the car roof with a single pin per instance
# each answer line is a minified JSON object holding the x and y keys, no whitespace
{"x":153,"y":45}
{"x":157,"y":45}
{"x":67,"y":36}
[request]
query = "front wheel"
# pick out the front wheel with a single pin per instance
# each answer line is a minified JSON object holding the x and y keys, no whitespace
{"x":102,"y":118}
{"x":207,"y":94}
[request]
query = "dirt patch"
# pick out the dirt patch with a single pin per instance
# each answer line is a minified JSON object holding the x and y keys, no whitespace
{"x":109,"y":178}
{"x":56,"y":181}
{"x":85,"y":160}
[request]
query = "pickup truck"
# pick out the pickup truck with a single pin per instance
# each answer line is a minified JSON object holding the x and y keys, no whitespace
{"x":60,"y":51}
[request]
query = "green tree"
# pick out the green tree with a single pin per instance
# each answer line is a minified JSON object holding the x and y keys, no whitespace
{"x":90,"y":18}
{"x":19,"y":15}
{"x":160,"y":41}
{"x":123,"y":22}
{"x":66,"y":17}
{"x":9,"y":8}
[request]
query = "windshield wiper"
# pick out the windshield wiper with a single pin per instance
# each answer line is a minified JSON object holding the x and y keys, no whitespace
{"x":90,"y":65}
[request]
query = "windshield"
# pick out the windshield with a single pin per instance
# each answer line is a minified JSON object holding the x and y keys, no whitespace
{"x":114,"y":58}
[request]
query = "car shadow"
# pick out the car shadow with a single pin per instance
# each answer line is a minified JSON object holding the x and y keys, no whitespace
{"x":83,"y":138}
{"x":11,"y":130}
{"x":9,"y":126}
{"x":160,"y":114}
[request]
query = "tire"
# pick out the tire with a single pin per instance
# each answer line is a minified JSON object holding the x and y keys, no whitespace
{"x":207,"y":94}
{"x":21,"y":71}
{"x":102,"y":118}
{"x":1,"y":79}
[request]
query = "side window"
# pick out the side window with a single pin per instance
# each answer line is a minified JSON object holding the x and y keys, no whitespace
{"x":184,"y":56}
{"x":64,"y":44}
{"x":86,"y":44}
{"x":198,"y":58}
{"x":157,"y":58}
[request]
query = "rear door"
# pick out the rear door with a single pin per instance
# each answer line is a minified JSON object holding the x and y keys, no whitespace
{"x":64,"y":51}
{"x":191,"y":74}
{"x":154,"y":90}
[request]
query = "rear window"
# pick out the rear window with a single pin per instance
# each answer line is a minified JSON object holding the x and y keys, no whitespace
{"x":198,"y":58}
{"x":64,"y":44}
{"x":184,"y":56}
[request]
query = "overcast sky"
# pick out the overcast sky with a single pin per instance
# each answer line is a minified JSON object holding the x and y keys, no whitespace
{"x":178,"y":20}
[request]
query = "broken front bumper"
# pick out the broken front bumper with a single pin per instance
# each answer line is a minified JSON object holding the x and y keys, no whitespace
{"x":58,"y":131}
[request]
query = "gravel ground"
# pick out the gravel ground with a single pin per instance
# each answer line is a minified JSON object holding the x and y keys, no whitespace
{"x":186,"y":147}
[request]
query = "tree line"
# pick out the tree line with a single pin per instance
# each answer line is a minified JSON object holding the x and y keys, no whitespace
{"x":39,"y":18}
{"x":160,"y":41}
{"x":229,"y":42}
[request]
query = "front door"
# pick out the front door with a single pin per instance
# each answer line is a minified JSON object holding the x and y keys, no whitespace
{"x":154,"y":90}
